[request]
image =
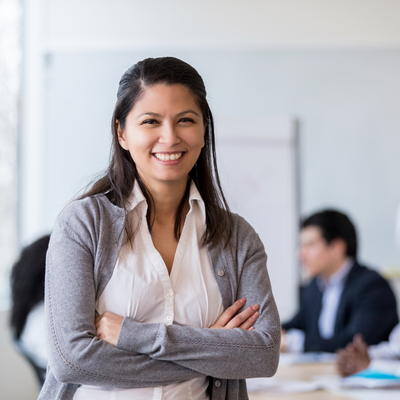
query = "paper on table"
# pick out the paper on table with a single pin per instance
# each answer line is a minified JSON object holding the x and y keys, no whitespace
{"x":334,"y":384}
{"x":368,"y":394}
{"x":275,"y":385}
{"x":306,"y":358}
{"x":370,"y":378}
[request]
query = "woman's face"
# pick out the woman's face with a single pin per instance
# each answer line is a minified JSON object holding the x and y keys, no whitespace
{"x":164,"y":133}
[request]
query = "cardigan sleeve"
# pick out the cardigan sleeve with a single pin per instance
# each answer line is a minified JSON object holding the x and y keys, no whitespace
{"x":76,"y":355}
{"x":221,"y":353}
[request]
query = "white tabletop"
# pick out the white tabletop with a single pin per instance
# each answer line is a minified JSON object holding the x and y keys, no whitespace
{"x":313,"y":375}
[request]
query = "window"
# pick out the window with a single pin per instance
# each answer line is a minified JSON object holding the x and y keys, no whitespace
{"x":10,"y":75}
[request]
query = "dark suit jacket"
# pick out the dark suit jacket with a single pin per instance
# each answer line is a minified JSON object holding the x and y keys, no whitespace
{"x":367,"y":306}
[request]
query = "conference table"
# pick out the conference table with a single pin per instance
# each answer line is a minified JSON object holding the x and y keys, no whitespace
{"x":302,"y":372}
{"x":311,"y":371}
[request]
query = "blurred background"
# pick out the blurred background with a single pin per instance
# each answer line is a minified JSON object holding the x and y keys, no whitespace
{"x":306,"y":95}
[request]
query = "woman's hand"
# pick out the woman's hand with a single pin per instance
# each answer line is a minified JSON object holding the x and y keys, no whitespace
{"x":244,"y":320}
{"x":108,"y":326}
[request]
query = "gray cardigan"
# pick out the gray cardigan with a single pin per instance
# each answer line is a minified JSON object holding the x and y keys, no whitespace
{"x":82,"y":254}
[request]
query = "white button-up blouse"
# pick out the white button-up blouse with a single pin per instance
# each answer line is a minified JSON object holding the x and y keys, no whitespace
{"x":141,"y":288}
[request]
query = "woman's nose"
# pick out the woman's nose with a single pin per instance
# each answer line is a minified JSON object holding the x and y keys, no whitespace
{"x":169,"y":135}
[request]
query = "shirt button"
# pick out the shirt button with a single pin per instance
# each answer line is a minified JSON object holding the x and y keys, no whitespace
{"x":221,"y":273}
{"x":217,"y":383}
{"x":170,"y":294}
{"x":169,"y":317}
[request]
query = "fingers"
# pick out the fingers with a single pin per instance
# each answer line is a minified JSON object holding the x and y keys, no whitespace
{"x":106,"y":321}
{"x":249,"y":322}
{"x":283,"y":341}
{"x":359,"y":343}
{"x":350,"y":346}
{"x":358,"y":337}
{"x":100,"y":319}
{"x":342,"y":362}
{"x":244,"y":318}
{"x":353,"y":358}
{"x":108,"y":326}
{"x":228,"y":314}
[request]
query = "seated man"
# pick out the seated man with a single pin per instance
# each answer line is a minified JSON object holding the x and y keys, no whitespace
{"x":357,"y":356}
{"x":343,"y":298}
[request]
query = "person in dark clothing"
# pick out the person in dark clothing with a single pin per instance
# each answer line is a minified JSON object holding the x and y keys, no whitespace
{"x":27,"y":312}
{"x":343,"y":297}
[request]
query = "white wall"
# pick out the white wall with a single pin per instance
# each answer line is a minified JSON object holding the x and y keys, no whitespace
{"x":233,"y":24}
{"x":17,"y":377}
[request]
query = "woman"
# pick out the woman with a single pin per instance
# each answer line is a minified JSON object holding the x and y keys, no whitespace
{"x":154,"y":252}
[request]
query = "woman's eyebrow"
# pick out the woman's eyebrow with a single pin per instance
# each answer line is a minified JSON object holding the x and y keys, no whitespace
{"x":187,"y":112}
{"x":153,"y":114}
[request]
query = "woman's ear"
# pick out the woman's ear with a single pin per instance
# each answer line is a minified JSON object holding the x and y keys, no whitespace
{"x":121,"y":135}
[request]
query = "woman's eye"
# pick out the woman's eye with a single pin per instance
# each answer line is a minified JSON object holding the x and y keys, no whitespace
{"x":149,"y":122}
{"x":186,"y":120}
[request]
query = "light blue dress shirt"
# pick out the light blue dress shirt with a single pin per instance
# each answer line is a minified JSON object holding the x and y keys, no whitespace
{"x":332,"y":290}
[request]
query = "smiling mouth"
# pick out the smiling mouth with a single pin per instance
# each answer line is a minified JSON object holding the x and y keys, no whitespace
{"x":168,"y":157}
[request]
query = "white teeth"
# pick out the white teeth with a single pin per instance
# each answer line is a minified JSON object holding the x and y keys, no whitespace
{"x":168,"y":157}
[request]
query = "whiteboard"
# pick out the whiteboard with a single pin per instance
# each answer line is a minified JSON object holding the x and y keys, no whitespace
{"x":257,"y":168}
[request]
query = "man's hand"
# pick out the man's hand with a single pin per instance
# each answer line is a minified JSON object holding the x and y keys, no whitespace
{"x":353,"y":358}
{"x":283,"y":341}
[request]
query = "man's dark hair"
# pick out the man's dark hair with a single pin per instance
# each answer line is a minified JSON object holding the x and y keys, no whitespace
{"x":334,"y":225}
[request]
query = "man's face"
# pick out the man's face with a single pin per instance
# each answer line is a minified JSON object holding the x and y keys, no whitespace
{"x":316,"y":255}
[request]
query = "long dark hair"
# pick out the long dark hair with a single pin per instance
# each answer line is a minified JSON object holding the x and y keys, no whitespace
{"x":121,"y":174}
{"x":27,"y":283}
